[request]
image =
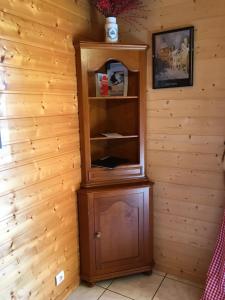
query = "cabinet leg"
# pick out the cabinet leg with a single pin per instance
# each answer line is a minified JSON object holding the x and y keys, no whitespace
{"x":148,"y":273}
{"x":90,"y":284}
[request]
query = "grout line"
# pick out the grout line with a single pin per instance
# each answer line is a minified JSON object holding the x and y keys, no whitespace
{"x":187,"y":283}
{"x":157,"y":274}
{"x":103,"y":286}
{"x":159,"y":286}
{"x":108,"y":288}
{"x":102,"y":294}
{"x":120,"y":294}
{"x":109,"y":284}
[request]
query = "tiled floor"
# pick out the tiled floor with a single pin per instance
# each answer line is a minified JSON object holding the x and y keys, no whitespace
{"x":158,"y":286}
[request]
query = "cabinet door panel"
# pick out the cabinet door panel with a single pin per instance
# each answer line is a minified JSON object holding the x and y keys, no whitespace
{"x":119,"y":229}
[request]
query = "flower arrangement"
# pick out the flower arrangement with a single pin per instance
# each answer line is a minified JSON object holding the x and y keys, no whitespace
{"x":113,"y":8}
{"x":130,"y":11}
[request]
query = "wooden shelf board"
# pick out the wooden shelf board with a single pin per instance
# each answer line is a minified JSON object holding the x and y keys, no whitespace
{"x":113,"y":98}
{"x":99,"y":138}
{"x":123,"y":166}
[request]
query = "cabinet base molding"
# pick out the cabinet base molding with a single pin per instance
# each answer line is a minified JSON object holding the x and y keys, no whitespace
{"x":92,"y":280}
{"x":115,"y":224}
{"x":141,"y":180}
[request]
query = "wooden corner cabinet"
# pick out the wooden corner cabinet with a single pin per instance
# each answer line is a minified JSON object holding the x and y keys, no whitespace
{"x":115,"y":199}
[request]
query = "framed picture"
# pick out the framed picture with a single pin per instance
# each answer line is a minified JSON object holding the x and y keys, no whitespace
{"x":172,"y":55}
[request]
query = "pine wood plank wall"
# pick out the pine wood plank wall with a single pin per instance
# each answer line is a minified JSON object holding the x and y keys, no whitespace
{"x":185,"y":137}
{"x":39,"y":160}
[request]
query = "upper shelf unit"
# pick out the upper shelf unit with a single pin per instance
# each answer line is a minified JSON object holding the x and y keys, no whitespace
{"x":112,"y":84}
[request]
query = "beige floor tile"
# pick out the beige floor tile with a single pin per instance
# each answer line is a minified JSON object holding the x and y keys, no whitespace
{"x":199,"y":285}
{"x":105,"y":283}
{"x":157,"y":272}
{"x":112,"y":296}
{"x":86,"y":293}
{"x":138,"y":287}
{"x":174,"y":290}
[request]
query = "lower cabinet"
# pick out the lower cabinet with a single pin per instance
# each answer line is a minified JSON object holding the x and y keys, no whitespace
{"x":115,"y":225}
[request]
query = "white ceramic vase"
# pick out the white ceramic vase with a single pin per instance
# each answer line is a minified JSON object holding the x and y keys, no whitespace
{"x":111,"y":30}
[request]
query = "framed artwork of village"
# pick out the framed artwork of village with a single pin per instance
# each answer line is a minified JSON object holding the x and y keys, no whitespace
{"x":172,"y":53}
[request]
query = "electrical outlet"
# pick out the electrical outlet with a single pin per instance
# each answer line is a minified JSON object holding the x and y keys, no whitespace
{"x":59,"y":278}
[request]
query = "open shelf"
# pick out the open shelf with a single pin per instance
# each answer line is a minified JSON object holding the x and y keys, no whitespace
{"x":114,"y":116}
{"x":127,"y":148}
{"x":132,"y":83}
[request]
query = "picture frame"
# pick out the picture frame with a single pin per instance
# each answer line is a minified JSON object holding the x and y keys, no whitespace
{"x":172,"y":58}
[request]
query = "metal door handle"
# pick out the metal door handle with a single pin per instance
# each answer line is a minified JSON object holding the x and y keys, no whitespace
{"x":98,"y":235}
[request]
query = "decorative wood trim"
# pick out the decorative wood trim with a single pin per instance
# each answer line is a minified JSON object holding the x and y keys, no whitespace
{"x":116,"y":46}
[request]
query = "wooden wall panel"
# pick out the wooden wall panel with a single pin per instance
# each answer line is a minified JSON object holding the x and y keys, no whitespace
{"x":37,"y":105}
{"x":14,"y":54}
{"x":18,"y":80}
{"x":39,"y":159}
{"x":185,"y":139}
{"x":29,"y":129}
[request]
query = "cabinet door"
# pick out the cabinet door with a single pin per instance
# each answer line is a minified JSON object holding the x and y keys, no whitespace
{"x":121,"y":236}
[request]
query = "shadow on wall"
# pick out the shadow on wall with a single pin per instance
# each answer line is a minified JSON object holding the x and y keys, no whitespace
{"x":98,"y":23}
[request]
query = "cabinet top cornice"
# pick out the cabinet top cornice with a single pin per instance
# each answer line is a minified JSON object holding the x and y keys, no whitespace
{"x":116,"y":46}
